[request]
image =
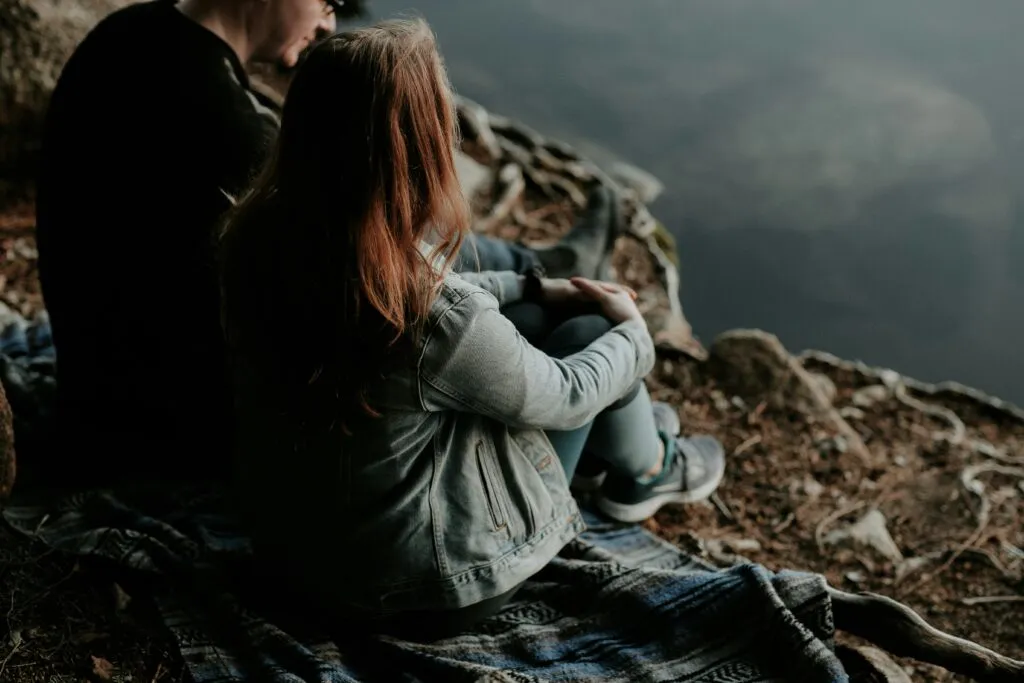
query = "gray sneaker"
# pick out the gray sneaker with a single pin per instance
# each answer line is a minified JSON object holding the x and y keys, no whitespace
{"x":591,"y":472}
{"x":586,"y":250}
{"x":692,"y":473}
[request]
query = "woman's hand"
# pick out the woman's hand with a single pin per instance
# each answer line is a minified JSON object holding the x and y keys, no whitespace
{"x":561,"y":292}
{"x":617,"y":302}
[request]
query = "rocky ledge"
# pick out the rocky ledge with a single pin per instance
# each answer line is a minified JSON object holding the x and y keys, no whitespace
{"x":879,"y":482}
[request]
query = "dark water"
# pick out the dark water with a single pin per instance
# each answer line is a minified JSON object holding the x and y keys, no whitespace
{"x":845,"y":174}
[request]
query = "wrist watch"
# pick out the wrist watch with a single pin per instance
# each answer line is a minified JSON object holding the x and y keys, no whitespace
{"x":533,"y":288}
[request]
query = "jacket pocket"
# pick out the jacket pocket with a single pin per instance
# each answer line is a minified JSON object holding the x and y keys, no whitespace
{"x":490,"y":474}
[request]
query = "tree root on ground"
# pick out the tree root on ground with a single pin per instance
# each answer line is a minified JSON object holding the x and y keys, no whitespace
{"x":900,"y":631}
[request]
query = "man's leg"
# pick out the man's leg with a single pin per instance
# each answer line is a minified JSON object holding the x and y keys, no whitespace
{"x":480,"y":253}
{"x":584,"y":251}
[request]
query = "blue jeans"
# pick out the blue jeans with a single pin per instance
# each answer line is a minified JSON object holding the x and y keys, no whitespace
{"x":481,"y":253}
{"x":629,"y":440}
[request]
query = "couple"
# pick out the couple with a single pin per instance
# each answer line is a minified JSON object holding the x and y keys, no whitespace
{"x":429,"y":420}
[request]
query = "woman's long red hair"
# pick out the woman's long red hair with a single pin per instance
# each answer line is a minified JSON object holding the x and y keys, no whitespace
{"x":325,"y":282}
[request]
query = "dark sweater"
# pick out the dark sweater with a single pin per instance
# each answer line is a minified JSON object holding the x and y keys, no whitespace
{"x":152,"y":121}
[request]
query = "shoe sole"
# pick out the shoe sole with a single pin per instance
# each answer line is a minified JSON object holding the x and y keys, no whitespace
{"x":639,"y":512}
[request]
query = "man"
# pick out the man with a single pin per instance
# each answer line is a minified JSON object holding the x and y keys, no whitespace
{"x":153,"y":126}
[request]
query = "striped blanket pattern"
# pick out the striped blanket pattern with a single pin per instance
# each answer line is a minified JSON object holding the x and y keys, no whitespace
{"x":618,"y":604}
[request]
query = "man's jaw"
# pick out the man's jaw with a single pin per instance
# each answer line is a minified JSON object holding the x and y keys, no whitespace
{"x":284,"y":68}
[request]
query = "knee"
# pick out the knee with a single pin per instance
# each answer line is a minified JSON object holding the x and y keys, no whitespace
{"x":628,"y":398}
{"x":530,"y":319}
{"x":576,"y":333}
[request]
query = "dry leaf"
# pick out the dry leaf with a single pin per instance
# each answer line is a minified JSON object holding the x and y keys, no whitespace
{"x":102,"y":669}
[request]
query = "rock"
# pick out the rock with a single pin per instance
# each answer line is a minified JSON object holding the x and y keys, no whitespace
{"x":647,"y":187}
{"x":812,"y":487}
{"x":722,"y":404}
{"x":827,"y":386}
{"x":743,"y":545}
{"x":7,"y":456}
{"x":473,"y":176}
{"x":911,"y":565}
{"x":869,"y":531}
{"x":674,"y":332}
{"x":852,"y":413}
{"x":855,"y":576}
{"x":36,"y":39}
{"x":869,"y":396}
{"x":754,"y":365}
{"x":474,"y":125}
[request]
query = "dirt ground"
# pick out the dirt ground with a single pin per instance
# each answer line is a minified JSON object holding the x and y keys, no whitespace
{"x":788,"y":486}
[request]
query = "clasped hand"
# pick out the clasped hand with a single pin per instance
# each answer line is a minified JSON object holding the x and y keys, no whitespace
{"x":617,"y":302}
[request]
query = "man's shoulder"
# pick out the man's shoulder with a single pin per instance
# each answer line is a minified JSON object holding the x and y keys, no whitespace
{"x":140,"y":23}
{"x":148,"y":66}
{"x":150,"y":38}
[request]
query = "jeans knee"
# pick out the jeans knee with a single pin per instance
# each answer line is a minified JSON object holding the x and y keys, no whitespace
{"x":628,"y":398}
{"x":530,"y":319}
{"x":576,"y":333}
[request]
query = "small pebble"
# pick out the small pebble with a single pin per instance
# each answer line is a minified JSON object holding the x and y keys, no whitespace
{"x":812,"y":487}
{"x":852,"y":413}
{"x":744,"y":545}
{"x":869,"y":396}
{"x":856,"y":577}
{"x":722,"y":404}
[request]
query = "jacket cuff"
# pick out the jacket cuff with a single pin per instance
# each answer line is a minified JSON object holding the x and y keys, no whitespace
{"x":637,"y":332}
{"x":510,"y":286}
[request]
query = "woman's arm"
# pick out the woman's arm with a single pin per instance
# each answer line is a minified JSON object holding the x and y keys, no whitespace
{"x":474,"y":360}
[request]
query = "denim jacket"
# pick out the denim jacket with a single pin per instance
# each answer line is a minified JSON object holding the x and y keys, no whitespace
{"x":454,"y":494}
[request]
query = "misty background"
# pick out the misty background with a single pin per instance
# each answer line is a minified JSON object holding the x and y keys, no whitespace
{"x":847,"y":175}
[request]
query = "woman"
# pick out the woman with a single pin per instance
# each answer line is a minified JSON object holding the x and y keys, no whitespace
{"x":403,"y":450}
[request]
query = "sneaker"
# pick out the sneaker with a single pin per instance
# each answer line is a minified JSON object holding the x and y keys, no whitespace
{"x":591,"y":471}
{"x":586,"y":250}
{"x":557,"y":260}
{"x":692,"y":472}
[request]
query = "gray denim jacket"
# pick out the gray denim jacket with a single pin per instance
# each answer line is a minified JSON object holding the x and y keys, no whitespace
{"x":454,"y":495}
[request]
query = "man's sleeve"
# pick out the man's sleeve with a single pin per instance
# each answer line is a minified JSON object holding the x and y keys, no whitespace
{"x":242,"y":133}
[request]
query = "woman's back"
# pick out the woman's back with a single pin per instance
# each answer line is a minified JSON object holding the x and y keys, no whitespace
{"x":395,"y":430}
{"x":443,"y":507}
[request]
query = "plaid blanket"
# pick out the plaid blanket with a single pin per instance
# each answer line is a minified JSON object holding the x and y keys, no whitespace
{"x":618,"y":604}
